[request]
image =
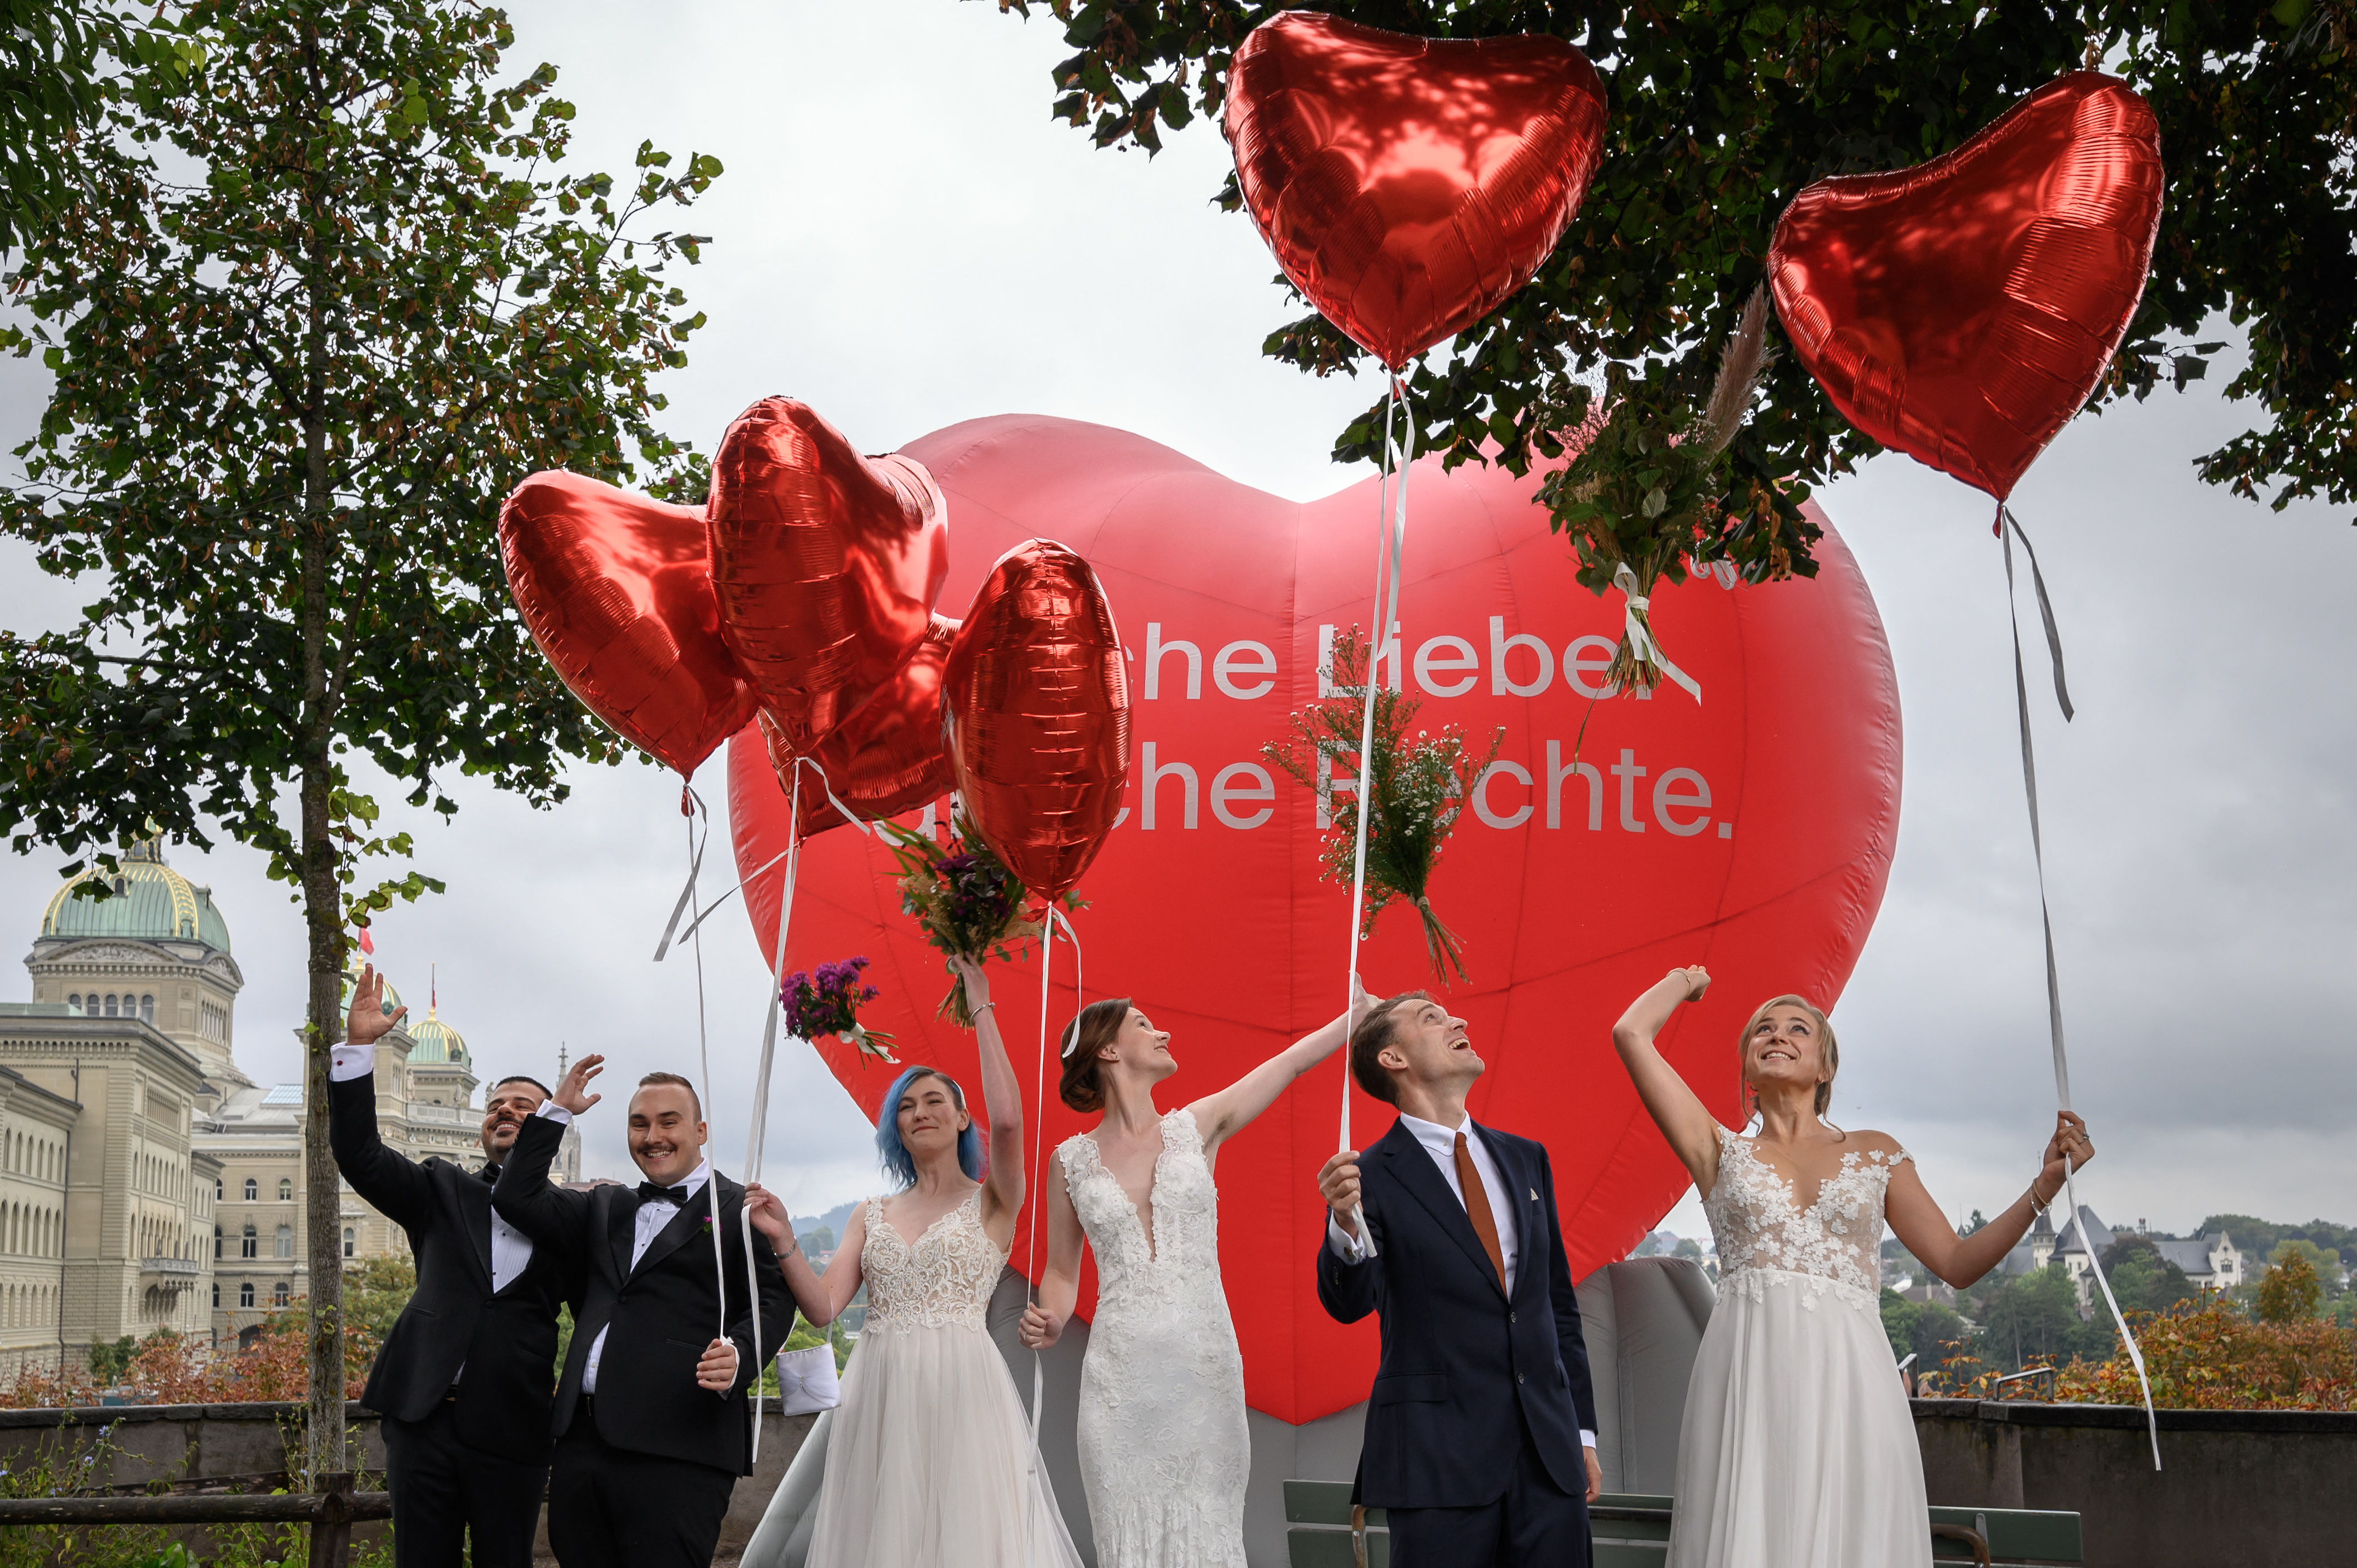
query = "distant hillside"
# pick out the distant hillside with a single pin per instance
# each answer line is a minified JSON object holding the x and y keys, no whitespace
{"x":834,"y":1220}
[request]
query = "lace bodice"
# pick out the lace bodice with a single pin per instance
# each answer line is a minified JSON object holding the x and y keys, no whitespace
{"x":1761,"y":1228}
{"x":944,"y":1279}
{"x":1184,"y":1250}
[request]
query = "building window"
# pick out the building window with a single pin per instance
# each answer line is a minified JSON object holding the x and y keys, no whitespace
{"x":109,"y":1004}
{"x":216,"y":1241}
{"x":286,"y":1189}
{"x":253,"y":1190}
{"x":147,"y":1009}
{"x":245,"y":1294}
{"x":278,"y":1294}
{"x":285,"y":1240}
{"x":73,"y":1002}
{"x":217,"y":1295}
{"x":351,"y":1246}
{"x":247,"y":1243}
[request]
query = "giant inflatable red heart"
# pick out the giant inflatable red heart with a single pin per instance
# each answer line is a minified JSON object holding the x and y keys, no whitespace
{"x":1409,"y":185}
{"x":1963,"y":311}
{"x":1752,"y":833}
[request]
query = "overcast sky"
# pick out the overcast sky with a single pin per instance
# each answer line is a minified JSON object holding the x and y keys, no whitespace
{"x":904,"y":239}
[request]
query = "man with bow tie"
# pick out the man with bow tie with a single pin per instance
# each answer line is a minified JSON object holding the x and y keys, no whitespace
{"x":464,"y":1380}
{"x":652,"y":1419}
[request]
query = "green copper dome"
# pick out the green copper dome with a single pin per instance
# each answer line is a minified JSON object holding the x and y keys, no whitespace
{"x":150,"y":902}
{"x":436,"y":1042}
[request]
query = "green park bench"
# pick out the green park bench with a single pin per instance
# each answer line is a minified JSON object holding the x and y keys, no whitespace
{"x":1633,"y":1532}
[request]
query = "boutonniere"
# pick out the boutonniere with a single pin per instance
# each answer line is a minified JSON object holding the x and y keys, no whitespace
{"x":706,"y":1222}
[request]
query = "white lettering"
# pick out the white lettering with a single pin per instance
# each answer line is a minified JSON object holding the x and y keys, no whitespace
{"x":1628,"y":772}
{"x":1155,"y":648}
{"x":1501,"y":683}
{"x":1513,"y":770}
{"x":1575,"y":668}
{"x":1264,"y":788}
{"x":1557,"y":773}
{"x":1437,"y":654}
{"x":1230,"y":662}
{"x":1154,"y":776}
{"x":1664,"y":802}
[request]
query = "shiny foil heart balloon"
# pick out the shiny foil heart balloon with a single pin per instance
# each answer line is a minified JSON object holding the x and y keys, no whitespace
{"x":613,"y":588}
{"x":1963,"y":311}
{"x":1752,"y":834}
{"x":888,"y":757}
{"x":1409,"y":185}
{"x":826,"y":563}
{"x":1039,"y":711}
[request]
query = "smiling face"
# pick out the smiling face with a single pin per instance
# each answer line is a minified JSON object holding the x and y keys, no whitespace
{"x":929,"y":1117}
{"x":666,"y":1139}
{"x":505,"y":1109}
{"x":1789,"y":1046}
{"x":1139,"y":1046}
{"x":1429,"y":1047}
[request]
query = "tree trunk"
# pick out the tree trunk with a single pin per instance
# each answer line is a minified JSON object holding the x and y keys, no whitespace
{"x":322,"y":887}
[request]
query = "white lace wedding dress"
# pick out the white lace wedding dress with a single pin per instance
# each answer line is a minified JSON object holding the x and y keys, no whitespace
{"x":929,"y":1464}
{"x":1798,"y":1449}
{"x":1165,"y":1453}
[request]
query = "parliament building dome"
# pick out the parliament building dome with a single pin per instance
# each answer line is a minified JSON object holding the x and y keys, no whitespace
{"x":438,"y":1042}
{"x":148,"y":901}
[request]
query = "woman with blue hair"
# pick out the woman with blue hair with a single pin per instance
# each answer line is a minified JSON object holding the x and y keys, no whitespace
{"x":930,"y":1461}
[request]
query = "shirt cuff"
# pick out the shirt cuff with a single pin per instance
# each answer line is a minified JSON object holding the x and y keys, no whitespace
{"x":553,"y":1112}
{"x":347,"y":1062}
{"x":1345,"y":1245}
{"x":1587,"y":1438}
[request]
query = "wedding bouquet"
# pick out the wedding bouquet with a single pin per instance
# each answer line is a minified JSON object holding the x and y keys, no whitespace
{"x":829,"y":1004}
{"x":1416,"y":790}
{"x":1645,"y":497}
{"x":964,"y":899}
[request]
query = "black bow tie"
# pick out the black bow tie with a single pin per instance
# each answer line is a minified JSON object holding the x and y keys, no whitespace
{"x":648,"y":1192}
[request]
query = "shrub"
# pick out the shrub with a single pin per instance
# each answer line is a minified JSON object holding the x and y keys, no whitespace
{"x":2210,"y":1357}
{"x":2289,"y":1291}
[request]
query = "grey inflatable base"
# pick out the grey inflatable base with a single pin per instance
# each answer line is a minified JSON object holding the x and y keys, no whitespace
{"x":1643,"y":1320}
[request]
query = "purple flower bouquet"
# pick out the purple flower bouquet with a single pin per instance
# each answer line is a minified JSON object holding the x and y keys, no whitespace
{"x":829,"y":1003}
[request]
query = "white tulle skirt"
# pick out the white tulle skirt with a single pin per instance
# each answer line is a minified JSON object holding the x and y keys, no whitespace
{"x":1798,"y":1449}
{"x":929,"y":1464}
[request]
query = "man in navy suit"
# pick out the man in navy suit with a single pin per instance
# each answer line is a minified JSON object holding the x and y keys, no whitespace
{"x":1481,"y":1426}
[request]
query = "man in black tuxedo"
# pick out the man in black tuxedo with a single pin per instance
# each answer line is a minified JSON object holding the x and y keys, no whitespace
{"x":466,"y":1379}
{"x":652,"y":1419}
{"x":1481,"y":1425}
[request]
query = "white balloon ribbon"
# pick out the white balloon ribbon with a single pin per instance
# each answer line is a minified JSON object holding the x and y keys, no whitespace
{"x":1637,"y":626}
{"x":2008,"y":530}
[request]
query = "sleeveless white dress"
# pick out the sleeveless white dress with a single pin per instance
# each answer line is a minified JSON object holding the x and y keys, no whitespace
{"x":929,"y":1464}
{"x":1799,"y":1449}
{"x":1165,"y":1453}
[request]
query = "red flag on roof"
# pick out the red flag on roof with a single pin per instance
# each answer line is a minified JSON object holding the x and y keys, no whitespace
{"x":368,"y":943}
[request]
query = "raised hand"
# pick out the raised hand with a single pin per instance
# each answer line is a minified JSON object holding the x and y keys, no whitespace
{"x":768,"y":1211}
{"x":573,"y":1092}
{"x":2071,"y":1141}
{"x":1360,"y":1002}
{"x":1698,"y":981}
{"x":977,"y":987}
{"x":366,"y":1022}
{"x":1040,"y":1327}
{"x":716,"y":1369}
{"x":1338,"y":1184}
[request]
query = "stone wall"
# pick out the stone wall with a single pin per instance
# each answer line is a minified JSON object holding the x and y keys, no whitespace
{"x":2238,"y":1486}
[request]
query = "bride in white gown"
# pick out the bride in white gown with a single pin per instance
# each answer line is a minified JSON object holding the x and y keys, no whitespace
{"x":930,"y":1463}
{"x":1164,"y":1449}
{"x":1798,"y":1448}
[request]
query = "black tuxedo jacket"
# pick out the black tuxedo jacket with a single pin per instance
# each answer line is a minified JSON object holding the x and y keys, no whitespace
{"x":1464,"y":1369}
{"x":661,"y":1314}
{"x":505,"y":1339}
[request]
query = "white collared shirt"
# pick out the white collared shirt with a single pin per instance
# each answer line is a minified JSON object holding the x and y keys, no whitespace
{"x":1440,"y":1143}
{"x":654,"y":1213}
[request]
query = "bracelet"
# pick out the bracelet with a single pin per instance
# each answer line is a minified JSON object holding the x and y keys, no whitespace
{"x":979,"y":1008}
{"x":2037,"y":1204}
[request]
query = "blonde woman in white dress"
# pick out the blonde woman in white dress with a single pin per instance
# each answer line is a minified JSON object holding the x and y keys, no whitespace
{"x":929,"y":1462}
{"x":1798,"y":1448}
{"x":1164,"y":1449}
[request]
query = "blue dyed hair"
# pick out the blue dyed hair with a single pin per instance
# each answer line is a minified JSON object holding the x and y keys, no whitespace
{"x":898,"y":1164}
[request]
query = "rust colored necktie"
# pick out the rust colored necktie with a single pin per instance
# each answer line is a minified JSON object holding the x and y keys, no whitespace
{"x":1476,"y":1208}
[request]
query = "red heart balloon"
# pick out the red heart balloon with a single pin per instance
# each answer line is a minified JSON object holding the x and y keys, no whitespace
{"x":1752,"y":833}
{"x":888,"y":757}
{"x":1039,"y":714}
{"x":1963,"y":311}
{"x":613,"y":588}
{"x":827,"y":563}
{"x":1409,"y":185}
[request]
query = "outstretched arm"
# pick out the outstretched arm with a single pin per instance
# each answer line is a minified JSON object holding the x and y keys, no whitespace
{"x":1217,"y":1116}
{"x":769,"y":1217}
{"x":524,"y":1196}
{"x":393,"y":1185}
{"x":1060,"y":1282}
{"x":1002,"y":1195}
{"x":1677,"y":1110}
{"x":1961,"y":1261}
{"x":843,"y":1279}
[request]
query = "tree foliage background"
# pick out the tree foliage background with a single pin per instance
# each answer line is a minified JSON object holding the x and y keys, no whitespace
{"x":1721,"y":111}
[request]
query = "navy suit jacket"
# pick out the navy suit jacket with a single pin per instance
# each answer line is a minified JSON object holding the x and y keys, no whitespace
{"x":1465,"y":1369}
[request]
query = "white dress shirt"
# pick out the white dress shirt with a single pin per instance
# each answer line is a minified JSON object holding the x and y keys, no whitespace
{"x":511,"y":1248}
{"x":654,"y":1213}
{"x":1440,"y":1143}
